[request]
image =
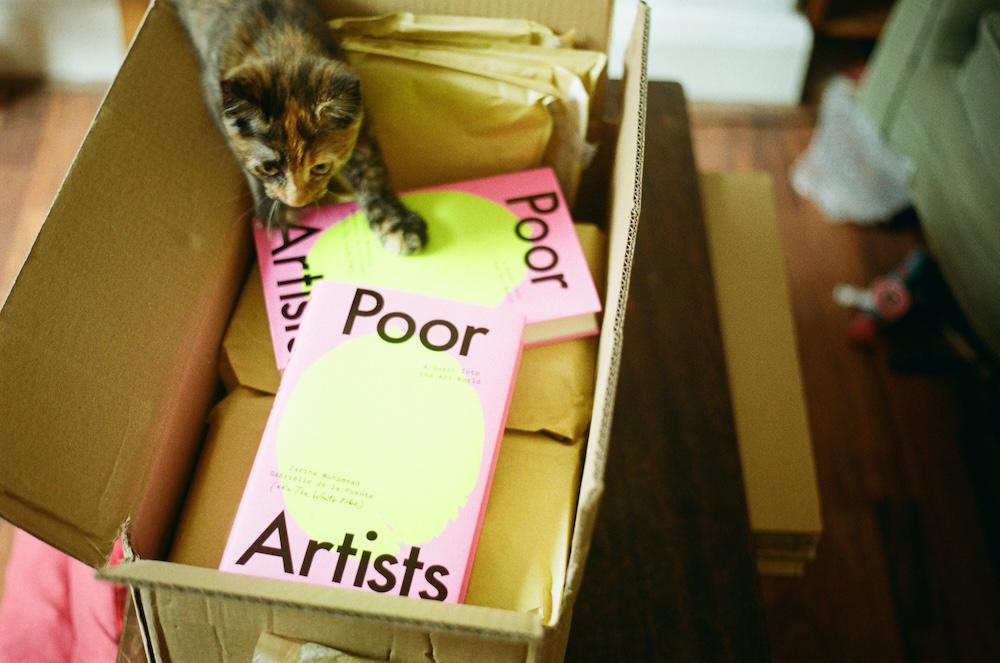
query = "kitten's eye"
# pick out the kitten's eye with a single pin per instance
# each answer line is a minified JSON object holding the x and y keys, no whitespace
{"x":269,"y":168}
{"x":321,"y":169}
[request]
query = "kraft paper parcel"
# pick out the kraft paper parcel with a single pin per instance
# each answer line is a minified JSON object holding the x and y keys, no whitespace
{"x":534,"y":490}
{"x":554,"y":389}
{"x":468,"y":93}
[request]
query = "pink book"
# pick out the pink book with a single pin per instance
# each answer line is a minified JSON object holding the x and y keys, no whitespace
{"x":500,"y":241}
{"x":376,"y":461}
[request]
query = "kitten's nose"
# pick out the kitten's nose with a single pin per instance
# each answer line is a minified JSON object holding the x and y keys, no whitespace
{"x":295,"y":197}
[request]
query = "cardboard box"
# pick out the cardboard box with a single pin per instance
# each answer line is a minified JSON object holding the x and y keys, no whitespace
{"x":109,"y":341}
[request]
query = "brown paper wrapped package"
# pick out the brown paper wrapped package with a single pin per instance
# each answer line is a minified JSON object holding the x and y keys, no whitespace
{"x":472,"y":88}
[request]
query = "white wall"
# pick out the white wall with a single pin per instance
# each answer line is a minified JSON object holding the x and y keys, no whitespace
{"x":76,"y":41}
{"x":743,"y":51}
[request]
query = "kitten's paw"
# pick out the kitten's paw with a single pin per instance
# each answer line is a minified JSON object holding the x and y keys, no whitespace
{"x":403,"y":233}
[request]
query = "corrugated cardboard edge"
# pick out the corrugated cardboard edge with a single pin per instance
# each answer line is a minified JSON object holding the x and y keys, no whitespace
{"x":628,"y":165}
{"x":440,"y":617}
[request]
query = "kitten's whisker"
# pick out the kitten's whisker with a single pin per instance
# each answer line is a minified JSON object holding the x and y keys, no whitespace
{"x":270,"y":215}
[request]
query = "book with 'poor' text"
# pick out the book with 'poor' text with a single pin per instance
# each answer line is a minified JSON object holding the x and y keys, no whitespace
{"x":377,"y":457}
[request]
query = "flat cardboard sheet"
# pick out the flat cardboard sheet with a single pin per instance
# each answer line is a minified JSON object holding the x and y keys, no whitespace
{"x":759,"y":340}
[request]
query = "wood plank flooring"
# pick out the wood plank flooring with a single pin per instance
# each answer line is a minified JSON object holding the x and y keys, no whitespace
{"x":904,"y":570}
{"x":41,"y":129}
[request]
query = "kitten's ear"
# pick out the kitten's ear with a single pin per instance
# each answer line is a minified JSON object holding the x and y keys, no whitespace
{"x":242,"y":92}
{"x":340,"y":103}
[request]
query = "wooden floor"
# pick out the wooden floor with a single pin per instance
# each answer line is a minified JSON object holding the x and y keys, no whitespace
{"x":904,"y":570}
{"x":40,"y":131}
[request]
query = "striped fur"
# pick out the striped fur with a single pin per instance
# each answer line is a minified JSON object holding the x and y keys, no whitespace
{"x":292,"y":111}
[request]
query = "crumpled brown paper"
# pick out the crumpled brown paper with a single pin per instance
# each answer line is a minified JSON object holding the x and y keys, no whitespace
{"x":477,"y":96}
{"x":555,"y":385}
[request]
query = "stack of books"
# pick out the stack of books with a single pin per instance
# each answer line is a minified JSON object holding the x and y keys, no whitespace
{"x":375,"y":465}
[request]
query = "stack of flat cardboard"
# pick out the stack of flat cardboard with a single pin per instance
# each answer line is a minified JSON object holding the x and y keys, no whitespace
{"x":759,"y":340}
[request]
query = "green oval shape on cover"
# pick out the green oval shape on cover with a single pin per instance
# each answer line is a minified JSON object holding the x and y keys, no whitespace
{"x":398,"y":432}
{"x":473,"y":253}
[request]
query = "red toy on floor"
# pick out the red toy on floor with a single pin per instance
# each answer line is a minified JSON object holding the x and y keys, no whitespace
{"x":888,"y":299}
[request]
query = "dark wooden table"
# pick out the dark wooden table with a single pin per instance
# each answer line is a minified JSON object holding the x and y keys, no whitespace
{"x":671,"y":574}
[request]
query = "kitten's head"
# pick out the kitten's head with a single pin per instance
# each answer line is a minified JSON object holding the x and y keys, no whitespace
{"x":292,"y":125}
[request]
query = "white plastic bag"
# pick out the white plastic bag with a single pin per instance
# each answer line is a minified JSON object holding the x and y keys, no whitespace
{"x":848,"y":170}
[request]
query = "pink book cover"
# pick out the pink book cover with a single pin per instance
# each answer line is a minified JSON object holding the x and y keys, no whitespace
{"x":499,"y":241}
{"x":376,"y":461}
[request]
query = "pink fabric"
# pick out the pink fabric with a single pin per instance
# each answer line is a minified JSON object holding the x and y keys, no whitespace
{"x":54,"y":610}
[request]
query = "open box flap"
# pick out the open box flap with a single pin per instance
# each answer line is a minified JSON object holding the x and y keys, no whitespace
{"x":489,"y":622}
{"x":626,"y":197}
{"x":108,"y":340}
{"x":590,"y":20}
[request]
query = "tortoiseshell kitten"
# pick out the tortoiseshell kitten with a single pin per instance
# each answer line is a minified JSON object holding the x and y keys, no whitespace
{"x":292,"y":112}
